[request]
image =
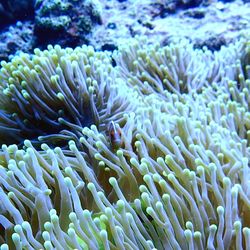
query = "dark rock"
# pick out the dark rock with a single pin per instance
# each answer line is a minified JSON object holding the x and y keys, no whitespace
{"x":195,"y":13}
{"x":13,"y":10}
{"x":171,"y":6}
{"x":65,"y":22}
{"x":16,"y":38}
{"x":109,"y":47}
{"x":212,"y":43}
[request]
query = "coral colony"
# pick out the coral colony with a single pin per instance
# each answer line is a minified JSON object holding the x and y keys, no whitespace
{"x":144,"y":148}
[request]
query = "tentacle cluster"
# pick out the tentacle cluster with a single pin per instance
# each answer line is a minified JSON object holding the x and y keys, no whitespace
{"x":178,"y":68}
{"x":180,"y":179}
{"x":56,"y":88}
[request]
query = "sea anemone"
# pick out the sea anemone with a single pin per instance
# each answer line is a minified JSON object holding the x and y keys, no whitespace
{"x":57,"y":89}
{"x":180,"y":177}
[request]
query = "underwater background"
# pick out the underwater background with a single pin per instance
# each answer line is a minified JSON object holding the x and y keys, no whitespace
{"x":124,"y":124}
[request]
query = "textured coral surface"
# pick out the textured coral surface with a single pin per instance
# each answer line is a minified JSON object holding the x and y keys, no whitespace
{"x":145,"y":148}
